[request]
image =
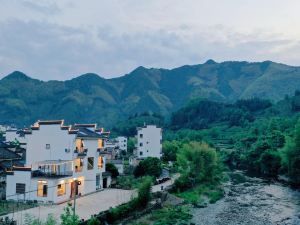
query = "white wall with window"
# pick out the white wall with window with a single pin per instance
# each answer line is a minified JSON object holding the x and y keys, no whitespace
{"x":149,"y":141}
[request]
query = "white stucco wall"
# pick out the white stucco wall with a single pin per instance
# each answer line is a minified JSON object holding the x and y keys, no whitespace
{"x":151,"y":142}
{"x":58,"y":139}
{"x":122,"y":142}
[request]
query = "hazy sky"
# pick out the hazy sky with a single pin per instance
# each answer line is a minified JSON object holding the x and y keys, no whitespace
{"x":65,"y":38}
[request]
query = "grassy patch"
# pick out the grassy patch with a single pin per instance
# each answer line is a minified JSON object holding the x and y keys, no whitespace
{"x":171,"y":215}
{"x":129,"y":182}
{"x":202,"y":194}
{"x":12,"y":206}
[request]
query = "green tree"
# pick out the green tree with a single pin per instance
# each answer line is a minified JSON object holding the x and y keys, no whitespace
{"x":291,"y":156}
{"x":197,"y":163}
{"x":270,"y":163}
{"x":150,"y":166}
{"x":131,"y":144}
{"x":170,"y":149}
{"x":112,"y":169}
{"x":68,"y":218}
{"x":93,"y":221}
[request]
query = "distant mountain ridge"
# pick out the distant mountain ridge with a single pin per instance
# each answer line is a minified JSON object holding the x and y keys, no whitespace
{"x":91,"y":98}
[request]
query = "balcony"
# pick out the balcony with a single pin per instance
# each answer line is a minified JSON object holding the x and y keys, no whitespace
{"x":53,"y":169}
{"x":81,"y":152}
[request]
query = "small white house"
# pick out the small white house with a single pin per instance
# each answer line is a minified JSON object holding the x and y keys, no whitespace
{"x":149,"y":142}
{"x":61,"y":161}
{"x":122,"y":143}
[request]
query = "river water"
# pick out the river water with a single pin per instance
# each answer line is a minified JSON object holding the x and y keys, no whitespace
{"x":252,"y":201}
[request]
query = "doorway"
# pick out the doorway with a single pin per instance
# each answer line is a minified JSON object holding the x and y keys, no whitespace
{"x":104,"y":182}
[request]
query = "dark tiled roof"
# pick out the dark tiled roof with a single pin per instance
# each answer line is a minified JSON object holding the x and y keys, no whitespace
{"x":85,"y":132}
{"x":8,"y":154}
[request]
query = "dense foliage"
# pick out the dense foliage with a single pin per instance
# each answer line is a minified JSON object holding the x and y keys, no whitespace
{"x":91,"y":98}
{"x":198,"y":163}
{"x":109,"y":167}
{"x":291,"y":156}
{"x":148,"y":167}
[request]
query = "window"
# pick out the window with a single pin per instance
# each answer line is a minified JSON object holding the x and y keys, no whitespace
{"x":100,"y":143}
{"x":79,"y":145}
{"x":47,"y":146}
{"x":42,"y":189}
{"x":100,"y":162}
{"x":141,"y":135}
{"x":61,"y":189}
{"x":90,"y":165}
{"x":141,"y":144}
{"x":20,"y":188}
{"x":160,"y":141}
{"x":141,"y":153}
{"x":78,"y":165}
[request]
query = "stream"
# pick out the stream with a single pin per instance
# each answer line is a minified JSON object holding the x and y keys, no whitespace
{"x":252,"y":201}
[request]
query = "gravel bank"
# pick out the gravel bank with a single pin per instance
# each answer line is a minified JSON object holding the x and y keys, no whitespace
{"x":252,"y":202}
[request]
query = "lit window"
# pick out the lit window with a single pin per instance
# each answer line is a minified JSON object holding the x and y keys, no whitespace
{"x":42,"y":189}
{"x":78,"y":165}
{"x":20,"y":188}
{"x":100,"y":162}
{"x":61,"y":189}
{"x":47,"y":146}
{"x":79,"y":145}
{"x":90,"y":165}
{"x":100,"y":143}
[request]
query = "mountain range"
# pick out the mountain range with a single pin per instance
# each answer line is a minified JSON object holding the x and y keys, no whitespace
{"x":92,"y":98}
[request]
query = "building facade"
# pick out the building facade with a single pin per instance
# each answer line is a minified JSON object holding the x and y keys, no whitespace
{"x":149,"y":142}
{"x":61,"y":161}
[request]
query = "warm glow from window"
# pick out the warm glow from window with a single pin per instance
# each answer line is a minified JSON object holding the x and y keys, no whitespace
{"x":78,"y":165}
{"x":100,"y":162}
{"x":61,"y":189}
{"x":100,"y":143}
{"x":79,"y":145}
{"x":42,"y":189}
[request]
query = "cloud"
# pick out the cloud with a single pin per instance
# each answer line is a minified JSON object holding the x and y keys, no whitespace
{"x":50,"y":50}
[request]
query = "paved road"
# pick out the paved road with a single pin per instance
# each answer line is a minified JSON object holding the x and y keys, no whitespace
{"x":85,"y":206}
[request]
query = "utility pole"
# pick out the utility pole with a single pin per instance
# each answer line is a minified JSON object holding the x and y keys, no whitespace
{"x":75,"y":191}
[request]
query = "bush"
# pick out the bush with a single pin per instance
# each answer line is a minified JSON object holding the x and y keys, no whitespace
{"x":198,"y":162}
{"x":112,"y":169}
{"x":123,"y":211}
{"x":270,"y":163}
{"x":148,"y":167}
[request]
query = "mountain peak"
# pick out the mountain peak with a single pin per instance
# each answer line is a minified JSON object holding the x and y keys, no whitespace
{"x":210,"y":62}
{"x":17,"y":75}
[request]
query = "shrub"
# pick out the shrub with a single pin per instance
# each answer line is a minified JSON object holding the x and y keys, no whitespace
{"x":148,"y":167}
{"x":112,"y":169}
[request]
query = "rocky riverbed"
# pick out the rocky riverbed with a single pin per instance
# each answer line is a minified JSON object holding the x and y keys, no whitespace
{"x":252,"y":201}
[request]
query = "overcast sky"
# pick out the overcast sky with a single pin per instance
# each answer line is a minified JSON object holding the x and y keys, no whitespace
{"x":65,"y":38}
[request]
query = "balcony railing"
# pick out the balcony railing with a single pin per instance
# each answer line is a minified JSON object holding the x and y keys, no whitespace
{"x":81,"y":153}
{"x":39,"y":173}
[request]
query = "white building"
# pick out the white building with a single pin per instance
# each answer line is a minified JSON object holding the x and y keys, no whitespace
{"x":122,"y":143}
{"x":149,"y":142}
{"x":13,"y":135}
{"x":61,"y":161}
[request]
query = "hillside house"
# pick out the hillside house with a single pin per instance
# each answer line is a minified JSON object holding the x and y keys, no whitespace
{"x":61,"y":161}
{"x":149,"y":142}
